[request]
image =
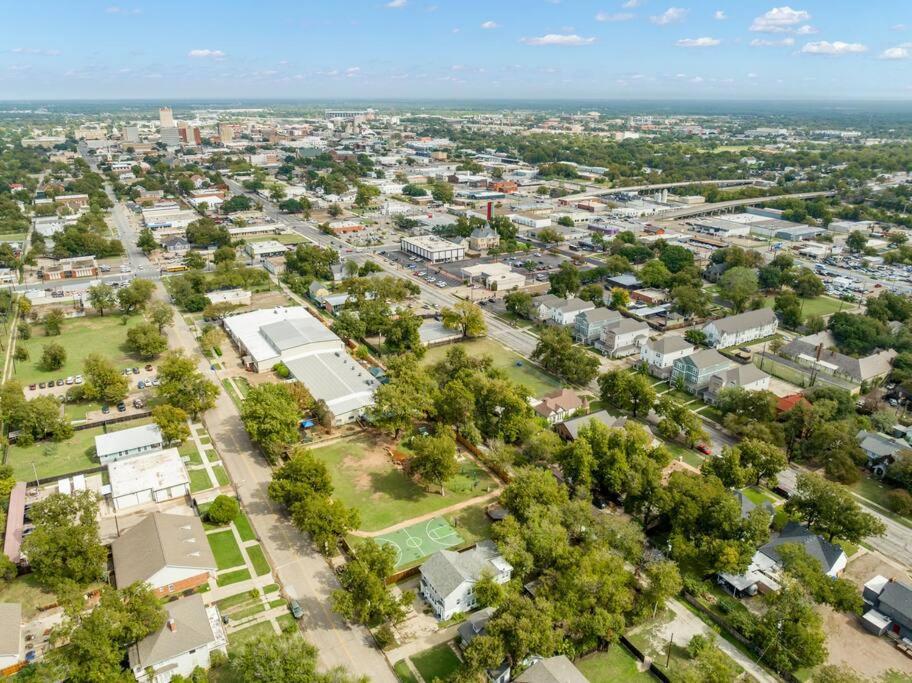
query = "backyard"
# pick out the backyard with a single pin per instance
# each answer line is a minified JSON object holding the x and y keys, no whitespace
{"x":79,"y":337}
{"x":614,"y":664}
{"x":517,"y":368}
{"x":437,"y":663}
{"x":365,"y":477}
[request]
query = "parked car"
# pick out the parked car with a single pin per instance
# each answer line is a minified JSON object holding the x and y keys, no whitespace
{"x":704,"y":449}
{"x":138,"y":403}
{"x":141,"y":384}
{"x":121,"y":407}
{"x":59,"y":382}
{"x":78,"y":379}
{"x":70,"y":379}
{"x":135,"y":371}
{"x":105,"y":409}
{"x":149,"y":367}
{"x":155,"y":381}
{"x":296,"y":610}
{"x":41,"y":385}
{"x":32,"y":387}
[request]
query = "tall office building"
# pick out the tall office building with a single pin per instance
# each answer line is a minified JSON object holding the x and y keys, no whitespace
{"x":131,"y":133}
{"x":170,"y":135}
{"x":165,"y":117}
{"x":226,"y":132}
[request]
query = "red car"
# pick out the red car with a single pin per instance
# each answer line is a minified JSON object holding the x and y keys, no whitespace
{"x":704,"y":449}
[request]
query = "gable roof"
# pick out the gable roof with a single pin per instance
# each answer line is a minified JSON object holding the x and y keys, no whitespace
{"x":823,"y":551}
{"x":741,"y":375}
{"x":859,"y":369}
{"x":474,"y":625}
{"x":552,"y":670}
{"x":744,"y":321}
{"x":880,"y":445}
{"x":599,"y":314}
{"x":707,"y":358}
{"x":192,"y":629}
{"x":143,"y":436}
{"x":898,"y":596}
{"x":669,"y":343}
{"x":549,"y":301}
{"x":446,"y":570}
{"x":159,"y":541}
{"x":574,"y":425}
{"x":748,"y":506}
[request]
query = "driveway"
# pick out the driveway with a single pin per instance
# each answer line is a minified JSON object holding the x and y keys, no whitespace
{"x":303,"y":572}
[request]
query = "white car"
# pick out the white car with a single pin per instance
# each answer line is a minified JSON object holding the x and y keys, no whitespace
{"x":77,"y":379}
{"x":441,"y":284}
{"x":70,"y":379}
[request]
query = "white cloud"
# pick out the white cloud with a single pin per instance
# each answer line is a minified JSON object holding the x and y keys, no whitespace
{"x":571,"y":40}
{"x":899,"y":27}
{"x":806,"y":30}
{"x":779,"y":20}
{"x":488,"y":25}
{"x":631,"y":4}
{"x":115,"y":9}
{"x":397,"y":4}
{"x":903,"y":51}
{"x":837,"y":47}
{"x":752,"y":75}
{"x":720,"y":15}
{"x":672,"y":15}
{"x":698,"y":42}
{"x":762,"y":42}
{"x":35,"y":51}
{"x":618,"y":16}
{"x":206,"y":54}
{"x":455,"y":30}
{"x":352,"y":71}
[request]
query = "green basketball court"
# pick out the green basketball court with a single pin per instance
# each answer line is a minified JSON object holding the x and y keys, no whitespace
{"x":416,"y":542}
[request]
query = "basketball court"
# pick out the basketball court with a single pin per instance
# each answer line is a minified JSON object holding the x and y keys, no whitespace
{"x":416,"y":542}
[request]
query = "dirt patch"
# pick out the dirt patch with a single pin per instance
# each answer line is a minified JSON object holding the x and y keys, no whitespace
{"x":361,"y":466}
{"x":782,"y":388}
{"x":849,"y":644}
{"x":865,"y":566}
{"x":268,"y":300}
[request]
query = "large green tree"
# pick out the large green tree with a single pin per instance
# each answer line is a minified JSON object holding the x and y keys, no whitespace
{"x":831,"y":510}
{"x":183,"y":385}
{"x":270,"y":415}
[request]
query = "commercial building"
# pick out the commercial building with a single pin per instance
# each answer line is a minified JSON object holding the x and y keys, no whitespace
{"x":165,"y":117}
{"x":128,"y":443}
{"x":237,"y":297}
{"x":170,"y":136}
{"x":170,"y":553}
{"x":265,"y":249}
{"x":433,"y":248}
{"x":495,"y":276}
{"x":151,"y":478}
{"x":226,"y":133}
{"x":67,"y":269}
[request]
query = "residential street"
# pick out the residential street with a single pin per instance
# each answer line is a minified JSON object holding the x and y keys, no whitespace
{"x":303,"y":572}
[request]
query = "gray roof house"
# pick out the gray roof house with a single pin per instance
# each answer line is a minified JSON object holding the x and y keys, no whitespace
{"x":748,"y":506}
{"x":697,"y":368}
{"x":448,"y":578}
{"x":748,"y":377}
{"x":569,"y":429}
{"x":890,"y":603}
{"x":474,"y":626}
{"x":880,"y":449}
{"x":804,"y":351}
{"x":588,"y":325}
{"x":128,"y":443}
{"x":557,"y":669}
{"x":742,"y":328}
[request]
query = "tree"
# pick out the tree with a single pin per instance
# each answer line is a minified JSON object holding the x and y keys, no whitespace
{"x":325,"y":519}
{"x":173,"y":422}
{"x":739,"y":284}
{"x":402,"y":334}
{"x":146,"y":241}
{"x":529,"y":488}
{"x":103,"y":382}
{"x":64,"y":546}
{"x":102,"y":297}
{"x":334,"y":210}
{"x":206,"y":231}
{"x":271,"y":417}
{"x":365,"y":597}
{"x":788,"y":307}
{"x":183,"y":386}
{"x":676,"y":257}
{"x":435,"y":459}
{"x":556,"y":353}
{"x":620,"y":298}
{"x":223,"y":510}
{"x":840,"y":594}
{"x":763,"y":460}
{"x":655,"y":273}
{"x":566,"y":281}
{"x":53,"y":321}
{"x":135,"y":296}
{"x":711,"y":665}
{"x":281,"y":658}
{"x":856,"y":241}
{"x":593,"y":293}
{"x":520,"y":304}
{"x":194,"y":260}
{"x":146,"y":341}
{"x":466,"y":317}
{"x":807,"y":285}
{"x":790,"y":633}
{"x":857,"y":335}
{"x":627,"y":391}
{"x":161,"y":314}
{"x":442,"y":192}
{"x":831,"y":510}
{"x":53,"y":356}
{"x":405,"y":399}
{"x":365,"y":195}
{"x":690,"y":301}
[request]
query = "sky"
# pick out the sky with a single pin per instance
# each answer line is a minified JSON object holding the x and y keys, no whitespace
{"x":456,"y":49}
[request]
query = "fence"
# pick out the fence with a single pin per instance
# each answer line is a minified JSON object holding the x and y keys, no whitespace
{"x":653,"y":669}
{"x":112,"y":420}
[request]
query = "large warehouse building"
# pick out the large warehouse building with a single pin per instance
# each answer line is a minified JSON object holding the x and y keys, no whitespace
{"x":433,"y":248}
{"x":315,"y":356}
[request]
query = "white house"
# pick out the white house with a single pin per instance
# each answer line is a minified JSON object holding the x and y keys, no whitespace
{"x":622,"y":338}
{"x":448,"y":578}
{"x":10,"y":634}
{"x":190,"y":635}
{"x":741,"y":328}
{"x":128,"y":443}
{"x":170,"y":553}
{"x":748,"y":377}
{"x":154,"y":477}
{"x":660,"y":354}
{"x":561,"y":311}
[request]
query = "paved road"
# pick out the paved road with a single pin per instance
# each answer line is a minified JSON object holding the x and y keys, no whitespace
{"x":700,"y":209}
{"x":303,"y":572}
{"x":896,"y":543}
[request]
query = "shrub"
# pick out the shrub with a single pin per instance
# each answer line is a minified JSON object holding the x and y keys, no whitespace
{"x":384,"y":637}
{"x":900,"y":501}
{"x":222,"y":510}
{"x":694,"y":586}
{"x":281,"y":370}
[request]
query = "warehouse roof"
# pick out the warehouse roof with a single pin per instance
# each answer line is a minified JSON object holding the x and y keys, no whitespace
{"x":337,"y":379}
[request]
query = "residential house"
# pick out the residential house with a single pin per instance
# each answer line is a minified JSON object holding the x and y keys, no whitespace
{"x":474,"y":626}
{"x":890,"y":603}
{"x":192,"y":632}
{"x":569,"y":429}
{"x":622,"y":338}
{"x":748,"y":506}
{"x":741,"y":328}
{"x":628,"y":281}
{"x":557,"y":669}
{"x":765,"y":570}
{"x":588,"y":325}
{"x":128,"y":443}
{"x":170,"y":553}
{"x":559,"y":405}
{"x":660,"y":354}
{"x":696,"y":369}
{"x":10,"y":635}
{"x":817,"y":351}
{"x":748,"y":377}
{"x":545,"y":306}
{"x":881,"y":449}
{"x":561,"y":311}
{"x":448,"y":578}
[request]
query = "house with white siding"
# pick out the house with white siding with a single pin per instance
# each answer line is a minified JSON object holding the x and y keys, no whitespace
{"x":741,"y":329}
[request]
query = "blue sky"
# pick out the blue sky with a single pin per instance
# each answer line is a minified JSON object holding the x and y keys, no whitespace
{"x":629,"y":49}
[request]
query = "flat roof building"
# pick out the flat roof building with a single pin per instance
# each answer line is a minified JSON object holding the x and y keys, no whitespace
{"x":265,"y":249}
{"x":151,"y":478}
{"x":433,"y":248}
{"x":128,"y":443}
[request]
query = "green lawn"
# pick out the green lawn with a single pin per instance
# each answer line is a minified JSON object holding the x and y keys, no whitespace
{"x":258,"y":559}
{"x":236,"y":576}
{"x":438,"y":662}
{"x":781,"y":371}
{"x":688,"y":455}
{"x":876,"y":491}
{"x":242,"y":524}
{"x":759,"y":495}
{"x":537,"y":381}
{"x":80,"y":337}
{"x":365,"y":478}
{"x":615,"y":664}
{"x":27,"y":592}
{"x":286,"y":622}
{"x":472,"y":523}
{"x":199,"y":480}
{"x":236,"y":600}
{"x":250,"y":633}
{"x":226,"y":550}
{"x":403,"y":673}
{"x":77,"y":411}
{"x":52,"y":459}
{"x":821,"y":305}
{"x":221,"y":476}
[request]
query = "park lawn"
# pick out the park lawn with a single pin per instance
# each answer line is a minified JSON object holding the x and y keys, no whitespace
{"x":250,"y":633}
{"x":258,"y":560}
{"x":403,"y":673}
{"x":221,"y":476}
{"x":52,"y":459}
{"x":199,"y":480}
{"x":236,"y":576}
{"x":79,"y":337}
{"x":614,"y":664}
{"x":438,"y":662}
{"x":226,"y":550}
{"x":365,"y":478}
{"x":537,"y":381}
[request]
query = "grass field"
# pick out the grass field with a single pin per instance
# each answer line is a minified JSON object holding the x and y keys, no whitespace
{"x":614,"y":664}
{"x":226,"y":550}
{"x":27,"y":592}
{"x":199,"y":481}
{"x":365,"y":478}
{"x":80,"y":337}
{"x":758,"y":495}
{"x":52,"y":459}
{"x":783,"y":372}
{"x":820,"y":305}
{"x":229,"y":578}
{"x":242,"y":524}
{"x":438,"y":662}
{"x":537,"y":381}
{"x":471,"y":523}
{"x":258,"y":559}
